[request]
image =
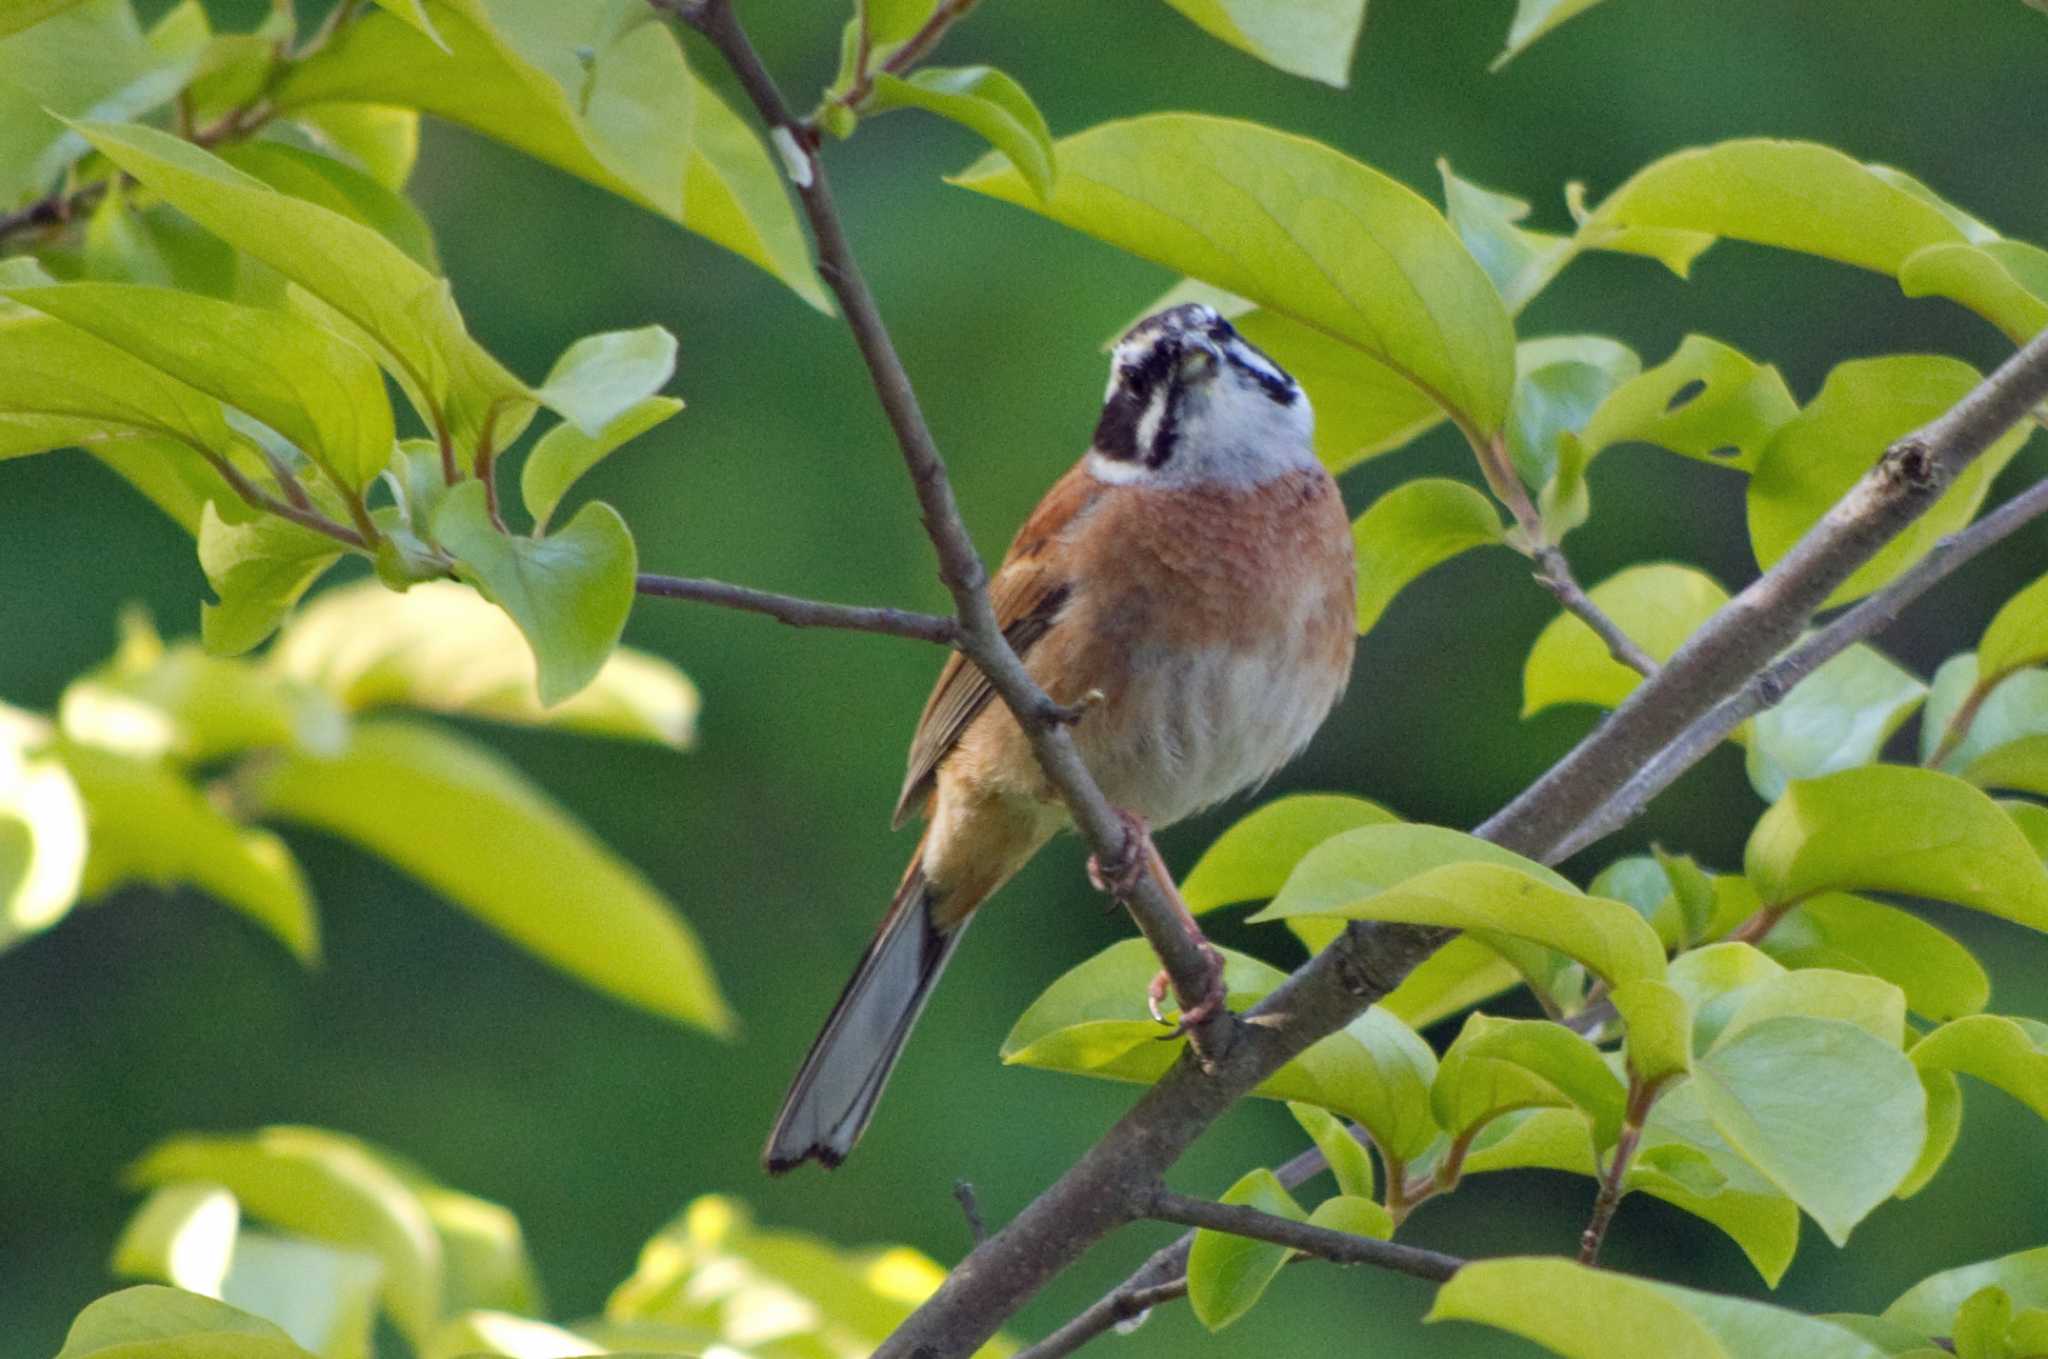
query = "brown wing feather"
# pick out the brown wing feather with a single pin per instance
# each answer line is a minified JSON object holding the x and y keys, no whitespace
{"x":1028,"y":592}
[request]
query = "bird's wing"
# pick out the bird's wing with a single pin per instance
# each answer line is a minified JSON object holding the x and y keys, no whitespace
{"x":1028,"y":592}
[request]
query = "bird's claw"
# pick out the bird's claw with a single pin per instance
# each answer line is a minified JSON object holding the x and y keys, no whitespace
{"x":1119,"y":877}
{"x":1194,"y":1016}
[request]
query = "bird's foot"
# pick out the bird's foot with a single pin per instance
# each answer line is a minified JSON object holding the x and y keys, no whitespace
{"x":1119,"y":876}
{"x":1214,"y":993}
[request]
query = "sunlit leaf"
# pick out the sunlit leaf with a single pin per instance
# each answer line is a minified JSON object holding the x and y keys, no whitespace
{"x":1585,"y":1313}
{"x":311,"y":386}
{"x":563,"y":454}
{"x":569,"y":592}
{"x":258,"y":570}
{"x":986,"y":101}
{"x":339,"y":186}
{"x":1838,"y":717}
{"x":2002,"y":281}
{"x":150,"y":825}
{"x":602,"y":377}
{"x":1533,"y":19}
{"x":1897,"y":829}
{"x":441,"y":647}
{"x":348,"y":266}
{"x":1789,"y":1093}
{"x":16,"y":15}
{"x":170,"y":1323}
{"x":1658,"y":606}
{"x":1349,"y":1164}
{"x":324,"y":1296}
{"x":2014,"y":708}
{"x":1706,"y":401}
{"x":1227,"y":1274}
{"x":1456,"y":977}
{"x":1295,"y":226}
{"x":1930,"y":1306}
{"x":1313,"y":38}
{"x":1940,"y":977}
{"x":183,"y":1235}
{"x":1817,"y":456}
{"x":323,"y":1187}
{"x":1417,"y":525}
{"x":523,"y":866}
{"x":1485,"y":1070}
{"x":1251,"y":860}
{"x":1872,"y":1004}
{"x":1658,"y":1022}
{"x":2011,"y":1054}
{"x":1560,"y":381}
{"x":42,"y":835}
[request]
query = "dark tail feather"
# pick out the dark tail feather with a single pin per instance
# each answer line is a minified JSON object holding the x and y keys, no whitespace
{"x":834,"y":1094}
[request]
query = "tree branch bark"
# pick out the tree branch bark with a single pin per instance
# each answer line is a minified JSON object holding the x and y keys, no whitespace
{"x":1338,"y":1247}
{"x":801,"y":613}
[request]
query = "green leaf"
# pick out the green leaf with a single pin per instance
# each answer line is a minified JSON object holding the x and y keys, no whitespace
{"x":324,"y":1187}
{"x":1251,"y":860}
{"x":308,"y":384}
{"x":57,"y":382}
{"x":1313,"y":38}
{"x":2002,"y":281}
{"x":324,"y":1296}
{"x":1533,"y":19}
{"x":258,"y":570}
{"x":1585,"y":1313}
{"x":1930,"y":1306}
{"x":1093,"y":1022}
{"x":1430,"y":876}
{"x":16,"y":15}
{"x":1560,"y":382}
{"x":480,"y":1333}
{"x":2017,"y":636}
{"x":1794,"y":195}
{"x":1872,"y":1004}
{"x":440,"y":647}
{"x":383,"y":140}
{"x":1349,"y":1164}
{"x":85,"y":60}
{"x":151,"y":1321}
{"x":1837,"y":718}
{"x":1500,"y":1064}
{"x":563,"y":454}
{"x":1715,"y":979}
{"x":1295,"y":226}
{"x":1227,"y":1274}
{"x":1456,"y":977}
{"x":569,"y":592}
{"x":986,"y":101}
{"x":1658,"y":1020}
{"x":1940,"y":977}
{"x":2015,"y":707}
{"x":601,"y":378}
{"x":342,"y":188}
{"x":1658,"y":606}
{"x":184,"y":1235}
{"x":1353,"y":1214}
{"x":151,"y":825}
{"x":601,"y":92}
{"x":1417,"y":525}
{"x":1792,"y":1093}
{"x":1944,"y":1126}
{"x":42,"y":833}
{"x":407,"y":311}
{"x":1895,"y":829}
{"x":413,"y":12}
{"x":1815,"y":458}
{"x":2020,"y":765}
{"x":516,"y":861}
{"x":1706,"y":401}
{"x":2011,"y":1054}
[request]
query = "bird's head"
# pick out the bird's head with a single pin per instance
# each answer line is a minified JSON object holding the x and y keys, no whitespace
{"x":1191,"y":400}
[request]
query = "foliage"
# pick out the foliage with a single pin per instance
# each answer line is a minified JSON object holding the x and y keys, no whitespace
{"x":216,"y":284}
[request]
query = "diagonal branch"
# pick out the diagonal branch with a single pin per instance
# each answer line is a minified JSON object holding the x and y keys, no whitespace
{"x":980,"y":637}
{"x":1554,"y":573}
{"x":801,"y":613}
{"x":1342,"y":1248}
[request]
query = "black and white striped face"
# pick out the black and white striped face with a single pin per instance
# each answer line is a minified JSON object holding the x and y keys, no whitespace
{"x":1190,"y":400}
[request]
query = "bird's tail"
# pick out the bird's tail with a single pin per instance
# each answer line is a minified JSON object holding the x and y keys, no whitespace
{"x":835,"y":1091}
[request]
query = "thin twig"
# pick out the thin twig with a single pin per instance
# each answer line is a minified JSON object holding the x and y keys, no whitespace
{"x":970,"y":1208}
{"x":1769,"y":686}
{"x":1554,"y":573}
{"x":980,"y":637}
{"x":1960,"y":720}
{"x":802,"y":613}
{"x":1642,"y":1097}
{"x":1341,"y":1248}
{"x":261,"y":499}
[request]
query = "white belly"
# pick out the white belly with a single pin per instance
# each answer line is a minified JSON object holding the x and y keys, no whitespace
{"x":1195,"y":726}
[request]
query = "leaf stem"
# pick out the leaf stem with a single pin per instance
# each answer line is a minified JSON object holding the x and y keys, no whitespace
{"x":1641,"y":1096}
{"x":1958,"y":728}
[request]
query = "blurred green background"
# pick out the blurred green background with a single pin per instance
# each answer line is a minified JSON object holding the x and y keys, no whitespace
{"x":152,"y":1013}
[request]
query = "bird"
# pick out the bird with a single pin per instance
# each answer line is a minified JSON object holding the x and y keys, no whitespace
{"x":1188,"y":590}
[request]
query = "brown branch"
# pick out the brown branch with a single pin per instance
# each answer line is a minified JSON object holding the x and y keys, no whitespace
{"x":1642,"y":1096}
{"x":1959,"y":722}
{"x":1341,"y":1248}
{"x":802,"y":613}
{"x":1769,"y":685}
{"x":980,"y":637}
{"x":1554,"y":573}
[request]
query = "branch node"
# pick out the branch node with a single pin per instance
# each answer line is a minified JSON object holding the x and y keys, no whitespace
{"x":1910,"y":464}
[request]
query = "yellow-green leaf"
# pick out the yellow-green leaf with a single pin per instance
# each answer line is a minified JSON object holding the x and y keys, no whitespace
{"x":1415,"y":526}
{"x":1313,"y":38}
{"x":1658,"y":606}
{"x":1251,"y":860}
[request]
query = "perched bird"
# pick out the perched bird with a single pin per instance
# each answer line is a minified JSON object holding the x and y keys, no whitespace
{"x":1189,"y":584}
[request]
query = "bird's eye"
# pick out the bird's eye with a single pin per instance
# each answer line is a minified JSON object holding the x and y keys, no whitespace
{"x":1197,"y":364}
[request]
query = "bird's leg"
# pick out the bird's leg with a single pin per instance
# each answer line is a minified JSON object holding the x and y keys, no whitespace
{"x":1137,"y":857}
